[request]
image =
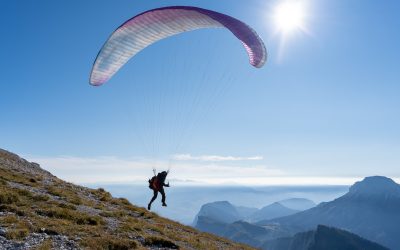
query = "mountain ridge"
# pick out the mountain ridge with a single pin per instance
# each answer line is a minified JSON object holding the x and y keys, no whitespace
{"x":375,"y":186}
{"x":224,"y":211}
{"x":38,"y":210}
{"x":271,"y":211}
{"x":299,"y":204}
{"x":322,"y":237}
{"x":372,"y":215}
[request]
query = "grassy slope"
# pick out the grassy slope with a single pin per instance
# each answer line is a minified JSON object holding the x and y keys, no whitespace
{"x":32,"y":200}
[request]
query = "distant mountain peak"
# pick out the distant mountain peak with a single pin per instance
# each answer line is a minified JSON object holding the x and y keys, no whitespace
{"x":221,"y":211}
{"x":271,"y":211}
{"x":276,"y":205}
{"x":227,"y":203}
{"x":375,"y":185}
{"x":298,"y":203}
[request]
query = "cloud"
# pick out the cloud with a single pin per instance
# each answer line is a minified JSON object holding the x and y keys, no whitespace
{"x":115,"y":170}
{"x":138,"y":170}
{"x":214,"y":158}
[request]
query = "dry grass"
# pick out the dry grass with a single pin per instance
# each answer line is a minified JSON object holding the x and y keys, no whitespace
{"x":8,"y":197}
{"x":53,"y":206}
{"x":16,"y":229}
{"x":20,"y":178}
{"x":46,"y":245}
{"x":109,"y":242}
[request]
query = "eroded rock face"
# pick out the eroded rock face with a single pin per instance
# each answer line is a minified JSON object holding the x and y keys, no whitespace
{"x":35,"y":240}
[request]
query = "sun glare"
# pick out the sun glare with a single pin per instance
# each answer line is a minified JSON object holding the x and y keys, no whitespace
{"x":289,"y":16}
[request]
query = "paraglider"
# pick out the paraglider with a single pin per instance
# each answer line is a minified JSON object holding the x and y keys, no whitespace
{"x":157,"y":184}
{"x":154,"y":25}
{"x":151,"y":26}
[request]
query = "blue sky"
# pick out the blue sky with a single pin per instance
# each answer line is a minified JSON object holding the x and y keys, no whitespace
{"x":325,"y":105}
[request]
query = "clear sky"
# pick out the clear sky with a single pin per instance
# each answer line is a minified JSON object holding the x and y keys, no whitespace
{"x":325,"y":106}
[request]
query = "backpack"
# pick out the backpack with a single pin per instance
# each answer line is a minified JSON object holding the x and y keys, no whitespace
{"x":161,"y":177}
{"x":153,"y":183}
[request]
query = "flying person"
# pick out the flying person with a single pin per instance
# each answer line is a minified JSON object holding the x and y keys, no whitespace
{"x":157,"y":184}
{"x":154,"y":25}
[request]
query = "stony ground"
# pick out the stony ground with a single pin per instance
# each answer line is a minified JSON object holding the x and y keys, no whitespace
{"x":40,"y":211}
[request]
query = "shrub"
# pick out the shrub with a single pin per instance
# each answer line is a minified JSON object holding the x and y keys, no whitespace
{"x":109,"y":242}
{"x":105,"y":197}
{"x":106,"y":214}
{"x":17,"y":234}
{"x":54,"y":191}
{"x":89,"y":220}
{"x":124,"y":201}
{"x":8,"y":198}
{"x":153,"y":241}
{"x":46,"y":245}
{"x":67,"y":206}
{"x":12,"y":208}
{"x":58,"y":213}
{"x":76,"y":200}
{"x":10,"y":219}
{"x":24,"y":192}
{"x":40,"y":198}
{"x":71,"y":215}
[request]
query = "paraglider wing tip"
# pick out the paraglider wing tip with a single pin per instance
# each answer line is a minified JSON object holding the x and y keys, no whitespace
{"x":259,"y":62}
{"x":96,"y":82}
{"x":259,"y":65}
{"x":258,"y":52}
{"x":98,"y":77}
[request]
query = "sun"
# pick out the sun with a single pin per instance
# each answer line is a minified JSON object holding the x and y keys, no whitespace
{"x":289,"y":16}
{"x":290,"y":19}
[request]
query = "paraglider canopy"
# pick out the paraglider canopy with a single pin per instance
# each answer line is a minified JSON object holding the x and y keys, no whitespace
{"x":151,"y":26}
